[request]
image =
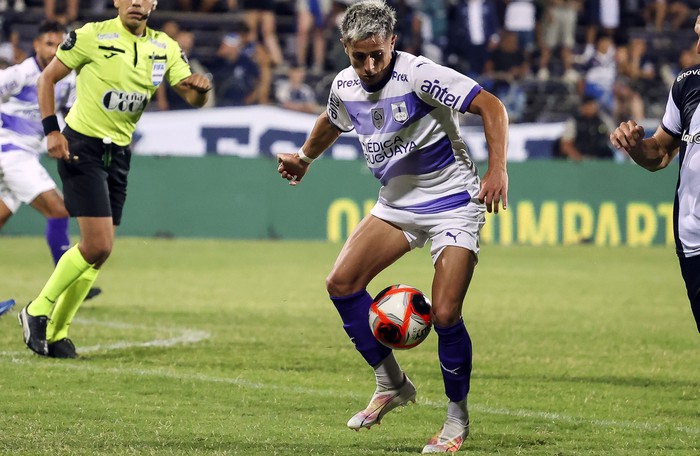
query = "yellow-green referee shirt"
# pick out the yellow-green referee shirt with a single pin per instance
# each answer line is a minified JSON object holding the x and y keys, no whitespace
{"x":118,"y":74}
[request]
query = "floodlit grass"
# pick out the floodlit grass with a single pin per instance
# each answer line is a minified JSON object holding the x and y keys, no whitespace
{"x":202,"y":347}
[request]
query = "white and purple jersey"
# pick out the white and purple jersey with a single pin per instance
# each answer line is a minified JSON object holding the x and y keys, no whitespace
{"x":409,"y":132}
{"x":682,"y":121}
{"x":20,"y":120}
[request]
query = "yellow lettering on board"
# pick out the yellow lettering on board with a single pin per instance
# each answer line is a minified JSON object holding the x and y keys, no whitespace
{"x":534,"y":232}
{"x":641,"y":224}
{"x":577,"y":222}
{"x":608,"y":228}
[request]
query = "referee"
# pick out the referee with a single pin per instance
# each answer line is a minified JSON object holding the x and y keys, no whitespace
{"x":120,"y":64}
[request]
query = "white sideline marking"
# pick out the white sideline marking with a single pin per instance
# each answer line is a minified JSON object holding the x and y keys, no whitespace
{"x":242,"y":383}
{"x":186,"y":336}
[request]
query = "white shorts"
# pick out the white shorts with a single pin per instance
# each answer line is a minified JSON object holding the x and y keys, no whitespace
{"x":458,"y":227}
{"x":22,"y":179}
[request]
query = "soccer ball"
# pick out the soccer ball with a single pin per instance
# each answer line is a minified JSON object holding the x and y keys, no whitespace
{"x":399,"y":317}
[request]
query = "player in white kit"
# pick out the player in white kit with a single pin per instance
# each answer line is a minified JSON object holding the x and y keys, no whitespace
{"x":23,"y":180}
{"x":404,"y":110}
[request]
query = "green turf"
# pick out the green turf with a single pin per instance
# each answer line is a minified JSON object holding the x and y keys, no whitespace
{"x":232,"y":348}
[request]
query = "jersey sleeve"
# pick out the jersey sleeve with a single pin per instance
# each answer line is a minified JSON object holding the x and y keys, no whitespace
{"x":75,"y":51}
{"x":441,"y":86}
{"x":178,"y":66}
{"x":337,"y":113}
{"x":671,"y":121}
{"x":12,"y":80}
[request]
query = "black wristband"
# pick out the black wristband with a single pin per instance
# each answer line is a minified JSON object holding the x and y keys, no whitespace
{"x":50,"y":124}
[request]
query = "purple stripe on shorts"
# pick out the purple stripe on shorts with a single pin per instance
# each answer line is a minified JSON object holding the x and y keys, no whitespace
{"x":443,"y":204}
{"x":420,"y":161}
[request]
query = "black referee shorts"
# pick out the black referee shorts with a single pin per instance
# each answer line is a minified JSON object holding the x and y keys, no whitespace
{"x":94,"y":184}
{"x":690,"y":268}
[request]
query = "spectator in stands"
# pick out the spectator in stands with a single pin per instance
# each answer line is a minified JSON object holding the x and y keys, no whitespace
{"x":673,"y":13}
{"x":601,"y":16}
{"x":167,"y":99}
{"x":312,"y":18}
{"x":520,"y":18}
{"x":559,"y":30}
{"x":293,"y":93}
{"x":237,"y":74}
{"x":599,"y":72}
{"x":11,"y":53}
{"x":504,"y":70}
{"x":204,"y":6}
{"x":19,"y":6}
{"x":171,"y":28}
{"x":586,"y":134}
{"x":472,"y":33}
{"x":408,"y":27}
{"x":261,"y":13}
{"x":433,"y":28}
{"x":627,"y":102}
{"x":336,"y":59}
{"x":70,"y":14}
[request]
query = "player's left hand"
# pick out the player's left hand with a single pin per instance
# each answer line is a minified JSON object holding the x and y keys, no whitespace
{"x":494,"y":188}
{"x":197,"y":82}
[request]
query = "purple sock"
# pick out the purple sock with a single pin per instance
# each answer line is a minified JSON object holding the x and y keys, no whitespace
{"x":354,"y":311}
{"x":455,"y":353}
{"x":57,"y":237}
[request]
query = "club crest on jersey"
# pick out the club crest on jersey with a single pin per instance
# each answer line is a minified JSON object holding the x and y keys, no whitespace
{"x":399,"y":111}
{"x":157,"y":73}
{"x":377,"y":117}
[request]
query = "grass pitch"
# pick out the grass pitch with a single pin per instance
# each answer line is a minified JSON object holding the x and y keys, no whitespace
{"x":203,"y":347}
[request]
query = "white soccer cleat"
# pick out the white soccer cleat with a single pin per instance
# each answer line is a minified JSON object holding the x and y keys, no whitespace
{"x":448,"y":439}
{"x":383,"y":402}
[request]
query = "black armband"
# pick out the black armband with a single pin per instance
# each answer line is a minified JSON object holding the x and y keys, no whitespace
{"x":50,"y":124}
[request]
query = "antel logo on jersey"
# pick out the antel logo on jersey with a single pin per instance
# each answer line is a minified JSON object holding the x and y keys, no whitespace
{"x":114,"y":100}
{"x":688,"y":138}
{"x":440,"y":93}
{"x":686,"y":74}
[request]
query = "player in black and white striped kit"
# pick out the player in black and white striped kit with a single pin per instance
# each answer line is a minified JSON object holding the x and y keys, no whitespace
{"x":678,"y":134}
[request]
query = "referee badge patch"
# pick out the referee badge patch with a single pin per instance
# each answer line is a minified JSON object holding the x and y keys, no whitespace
{"x":69,"y":41}
{"x":157,"y":73}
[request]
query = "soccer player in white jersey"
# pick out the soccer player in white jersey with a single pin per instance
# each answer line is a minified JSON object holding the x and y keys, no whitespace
{"x":404,"y":110}
{"x":22,"y":178}
{"x":678,"y":134}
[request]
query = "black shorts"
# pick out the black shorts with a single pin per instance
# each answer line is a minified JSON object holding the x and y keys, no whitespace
{"x":94,"y":185}
{"x":690,"y":268}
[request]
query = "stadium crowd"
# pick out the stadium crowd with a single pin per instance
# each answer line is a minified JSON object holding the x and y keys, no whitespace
{"x":541,"y":57}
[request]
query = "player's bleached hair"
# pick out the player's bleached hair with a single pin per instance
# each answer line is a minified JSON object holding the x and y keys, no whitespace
{"x":366,"y":19}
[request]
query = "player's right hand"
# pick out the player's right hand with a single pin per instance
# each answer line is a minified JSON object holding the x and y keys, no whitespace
{"x":57,"y":146}
{"x":627,"y":136}
{"x":291,"y":167}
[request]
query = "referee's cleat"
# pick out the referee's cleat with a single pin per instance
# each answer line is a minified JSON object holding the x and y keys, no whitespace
{"x":94,"y":291}
{"x":383,"y":402}
{"x":62,"y":348}
{"x":5,"y":306}
{"x":34,"y":329}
